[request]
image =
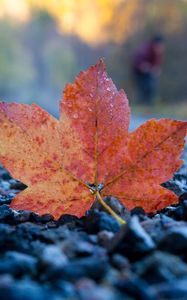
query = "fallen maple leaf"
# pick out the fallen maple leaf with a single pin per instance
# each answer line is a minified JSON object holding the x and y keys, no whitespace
{"x":88,"y":151}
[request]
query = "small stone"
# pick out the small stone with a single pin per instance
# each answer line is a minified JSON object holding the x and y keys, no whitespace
{"x":179,"y":213}
{"x":184,"y":206}
{"x":45,"y":218}
{"x":104,"y":237}
{"x":159,"y":267}
{"x":36,"y":247}
{"x":174,"y":240}
{"x":41,"y":219}
{"x":139,"y":211}
{"x":116,"y":206}
{"x":6,"y":231}
{"x":64,"y":219}
{"x":175,"y":289}
{"x":52,"y":224}
{"x":183,"y":197}
{"x":136,"y":288}
{"x":5,"y":199}
{"x":120,"y":262}
{"x":157,"y":226}
{"x":94,"y":267}
{"x":83,"y":248}
{"x":65,"y":289}
{"x":24,"y":290}
{"x":5,"y":185}
{"x":22,"y":216}
{"x":132,"y":240}
{"x":6,"y":213}
{"x":98,"y":221}
{"x":16,"y":263}
{"x":172,"y":186}
{"x":52,"y":257}
{"x":5,"y":175}
{"x":87,"y":289}
{"x":30,"y":230}
{"x":76,"y":247}
{"x":52,"y":235}
{"x":17,"y":185}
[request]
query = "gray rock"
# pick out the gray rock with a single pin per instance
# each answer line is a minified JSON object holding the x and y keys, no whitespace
{"x":116,"y":206}
{"x":120,"y":262}
{"x":132,"y":240}
{"x":52,"y":257}
{"x":136,"y":288}
{"x":104,"y":237}
{"x":99,"y":220}
{"x":93,"y":267}
{"x":159,"y":267}
{"x":173,"y":290}
{"x":19,"y":263}
{"x":175,"y":240}
{"x":6,"y":213}
{"x":78,"y":248}
{"x":23,"y":290}
{"x":157,"y":226}
{"x":87,"y":289}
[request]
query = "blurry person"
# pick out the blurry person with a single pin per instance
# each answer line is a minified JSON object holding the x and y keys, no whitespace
{"x":147,"y":63}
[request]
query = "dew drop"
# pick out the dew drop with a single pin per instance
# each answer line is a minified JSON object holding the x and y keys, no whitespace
{"x":108,"y":89}
{"x":75,"y":116}
{"x":89,"y":109}
{"x":111,"y":105}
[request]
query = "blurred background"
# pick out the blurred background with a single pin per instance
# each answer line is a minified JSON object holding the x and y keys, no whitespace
{"x":44,"y":44}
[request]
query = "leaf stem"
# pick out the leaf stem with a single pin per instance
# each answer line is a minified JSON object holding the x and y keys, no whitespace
{"x":109,"y":209}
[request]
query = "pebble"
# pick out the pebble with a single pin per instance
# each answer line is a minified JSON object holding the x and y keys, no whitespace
{"x":5,"y":199}
{"x":136,"y":288}
{"x":115,"y":204}
{"x":6,"y":214}
{"x":78,"y":248}
{"x":52,"y":257}
{"x":64,"y":219}
{"x":22,"y":216}
{"x":97,"y":221}
{"x":23,"y":290}
{"x":17,"y":264}
{"x":174,"y":241}
{"x":120,"y":262}
{"x":132,"y":240}
{"x":104,"y":238}
{"x":87,"y":289}
{"x":175,"y":290}
{"x":139,"y":211}
{"x":159,"y":267}
{"x":41,"y":219}
{"x":94,"y":267}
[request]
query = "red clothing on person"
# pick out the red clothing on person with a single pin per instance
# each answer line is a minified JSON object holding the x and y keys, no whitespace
{"x":147,"y":54}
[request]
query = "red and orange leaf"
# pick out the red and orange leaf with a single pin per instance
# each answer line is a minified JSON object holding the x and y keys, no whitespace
{"x":30,"y":149}
{"x":89,"y":144}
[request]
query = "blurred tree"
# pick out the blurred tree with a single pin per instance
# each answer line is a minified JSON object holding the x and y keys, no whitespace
{"x":16,"y":71}
{"x":53,"y":40}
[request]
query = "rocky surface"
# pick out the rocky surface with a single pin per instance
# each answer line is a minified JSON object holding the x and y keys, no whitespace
{"x":93,"y":258}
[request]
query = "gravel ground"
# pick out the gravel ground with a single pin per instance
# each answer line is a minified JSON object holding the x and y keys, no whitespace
{"x":93,"y":258}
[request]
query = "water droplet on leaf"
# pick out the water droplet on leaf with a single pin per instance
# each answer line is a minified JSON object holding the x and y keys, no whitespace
{"x":75,"y":116}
